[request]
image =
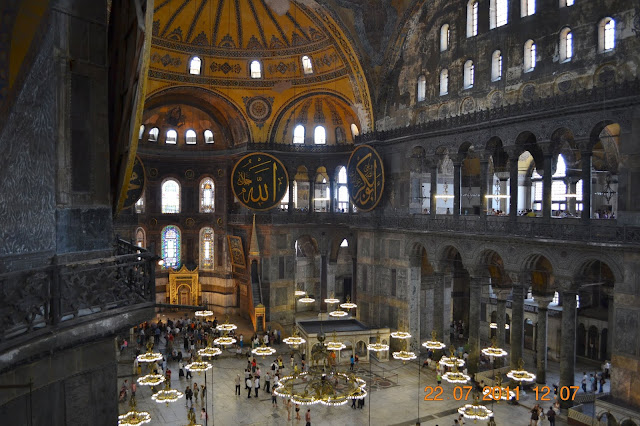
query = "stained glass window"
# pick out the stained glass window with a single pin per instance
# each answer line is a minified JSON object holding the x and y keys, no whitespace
{"x":207,"y":199}
{"x":171,"y":196}
{"x":171,"y":246}
{"x":206,"y":248}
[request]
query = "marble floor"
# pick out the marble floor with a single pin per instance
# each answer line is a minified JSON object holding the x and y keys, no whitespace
{"x":396,"y":397}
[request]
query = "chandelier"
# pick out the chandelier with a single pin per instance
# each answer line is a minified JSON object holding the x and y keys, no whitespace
{"x":494,"y":350}
{"x":446,"y":194}
{"x":331,"y":300}
{"x":475,"y":411}
{"x":377,"y":347}
{"x":496,"y":195}
{"x":455,"y":376}
{"x":209,"y":352}
{"x":151,"y":380}
{"x":608,"y":192}
{"x":299,"y":293}
{"x":134,"y":417}
{"x":149,"y":356}
{"x":226,"y":326}
{"x":348,"y":304}
{"x":452,"y":360}
{"x":434,"y":344}
{"x":306,"y":299}
{"x":495,"y":325}
{"x":198,"y":366}
{"x":521,"y":375}
{"x":203,"y":313}
{"x":503,"y":393}
{"x":338,"y":314}
{"x":400,"y":335}
{"x":224,"y":340}
{"x":294,"y":339}
{"x":335,"y":345}
{"x":264,"y":350}
{"x":167,"y":395}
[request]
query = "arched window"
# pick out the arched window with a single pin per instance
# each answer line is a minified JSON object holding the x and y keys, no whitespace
{"x":354,"y":130}
{"x":208,"y":136}
{"x":527,"y":7}
{"x":195,"y":66}
{"x":141,"y":132}
{"x":307,"y":67}
{"x":498,"y":13}
{"x":566,"y":45}
{"x":153,"y":134}
{"x":256,"y":69}
{"x":343,"y":192}
{"x":298,"y":134}
{"x":172,"y":137}
{"x":529,"y":56}
{"x":566,"y":3}
{"x":444,"y":37}
{"x":170,"y":196}
{"x":171,"y":246}
{"x":207,"y":196}
{"x":141,"y":240}
{"x":422,"y":88}
{"x":190,"y":137}
{"x":206,"y":248}
{"x":496,"y":66}
{"x":469,"y":71}
{"x":444,"y":82}
{"x":344,"y":243}
{"x":140,"y":205}
{"x":320,"y":136}
{"x":472,"y":18}
{"x":606,"y":35}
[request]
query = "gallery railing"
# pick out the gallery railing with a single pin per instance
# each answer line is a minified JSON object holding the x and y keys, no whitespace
{"x":39,"y":299}
{"x":525,"y":227}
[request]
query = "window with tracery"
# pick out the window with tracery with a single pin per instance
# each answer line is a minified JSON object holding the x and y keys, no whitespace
{"x":255,"y":69}
{"x":208,"y":136}
{"x":207,"y":196}
{"x":343,"y":192}
{"x":171,"y":246}
{"x":298,"y":134}
{"x":320,"y":135}
{"x":171,"y":196}
{"x":195,"y":66}
{"x":190,"y":137}
{"x":206,"y":248}
{"x":307,"y":67}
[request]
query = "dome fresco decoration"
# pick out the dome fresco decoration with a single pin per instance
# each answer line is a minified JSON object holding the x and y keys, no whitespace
{"x":297,"y":48}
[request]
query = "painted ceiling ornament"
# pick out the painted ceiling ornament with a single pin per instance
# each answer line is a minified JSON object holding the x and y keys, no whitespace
{"x":259,"y":181}
{"x":258,"y":108}
{"x":365,"y":178}
{"x":136,"y":183}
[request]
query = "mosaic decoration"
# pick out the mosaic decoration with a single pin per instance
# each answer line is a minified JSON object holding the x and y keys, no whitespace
{"x":226,"y":68}
{"x":259,"y":181}
{"x":282,"y":68}
{"x":236,"y":251}
{"x":258,"y":108}
{"x":365,"y":178}
{"x":165,"y":60}
{"x":171,"y":246}
{"x":136,"y":183}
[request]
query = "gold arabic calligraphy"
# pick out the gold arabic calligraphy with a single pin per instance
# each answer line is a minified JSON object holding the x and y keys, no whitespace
{"x":262,"y":184}
{"x":366,"y":177}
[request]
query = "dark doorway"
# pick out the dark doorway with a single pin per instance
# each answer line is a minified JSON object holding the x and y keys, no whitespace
{"x":346,"y":287}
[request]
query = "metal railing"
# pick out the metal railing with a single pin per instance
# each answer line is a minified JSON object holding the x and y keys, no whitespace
{"x":603,"y":231}
{"x":38,"y":299}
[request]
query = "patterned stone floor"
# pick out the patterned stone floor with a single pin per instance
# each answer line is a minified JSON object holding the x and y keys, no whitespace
{"x":396,"y":398}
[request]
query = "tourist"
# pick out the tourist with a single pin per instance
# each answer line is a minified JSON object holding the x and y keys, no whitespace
{"x":439,"y":378}
{"x":238,"y":384}
{"x":535,"y":416}
{"x":307,"y":417}
{"x":203,"y":394}
{"x":267,"y":382}
{"x":196,"y":390}
{"x":274,"y":398}
{"x":288,"y":406}
{"x":551,"y":415}
{"x":602,"y":382}
{"x":584,"y":381}
{"x":592,"y":383}
{"x":203,"y":415}
{"x":249,"y":385}
{"x":188,"y":394}
{"x":257,"y":385}
{"x":297,"y":411}
{"x":352,"y":362}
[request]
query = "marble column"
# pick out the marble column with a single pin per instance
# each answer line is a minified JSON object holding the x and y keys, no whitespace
{"x":475,"y":300}
{"x":354,"y":278}
{"x":517,"y":324}
{"x":332,"y":186}
{"x":501,"y":317}
{"x":541,"y":342}
{"x":513,"y":188}
{"x":610,"y":323}
{"x":323,"y":282}
{"x":438,"y":305}
{"x":413,"y":305}
{"x":434,"y":190}
{"x":546,"y":186}
{"x":484,"y":172}
{"x":331,"y":278}
{"x":446,"y":308}
{"x":456,"y":188}
{"x":312,"y":196}
{"x":291,"y":201}
{"x":586,"y":185}
{"x":568,"y":343}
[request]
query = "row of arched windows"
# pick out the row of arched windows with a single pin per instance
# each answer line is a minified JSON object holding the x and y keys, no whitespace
{"x":171,"y":136}
{"x":170,"y":197}
{"x":320,"y":134}
{"x":255,"y":67}
{"x":171,"y":246}
{"x":606,"y":43}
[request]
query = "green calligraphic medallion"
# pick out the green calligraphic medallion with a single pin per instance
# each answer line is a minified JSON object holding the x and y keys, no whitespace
{"x":365,"y":178}
{"x":259,"y":181}
{"x":136,"y":183}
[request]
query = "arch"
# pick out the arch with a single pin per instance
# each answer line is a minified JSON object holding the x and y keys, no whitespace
{"x":596,"y":270}
{"x":354,"y":130}
{"x":342,"y":192}
{"x":141,"y":132}
{"x":207,"y":195}
{"x":307,"y":66}
{"x":170,"y":196}
{"x":498,"y":13}
{"x":171,"y":246}
{"x":540,"y":270}
{"x":491,"y":261}
{"x":141,"y":237}
{"x":472,"y":18}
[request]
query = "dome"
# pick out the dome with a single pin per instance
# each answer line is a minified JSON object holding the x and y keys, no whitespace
{"x":255,"y":60}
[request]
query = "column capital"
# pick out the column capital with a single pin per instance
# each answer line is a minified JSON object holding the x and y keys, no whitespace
{"x":543,"y":301}
{"x":502,"y":294}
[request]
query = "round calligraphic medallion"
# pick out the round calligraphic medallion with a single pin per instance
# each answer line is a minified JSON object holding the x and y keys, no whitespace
{"x":259,"y":181}
{"x":365,"y":178}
